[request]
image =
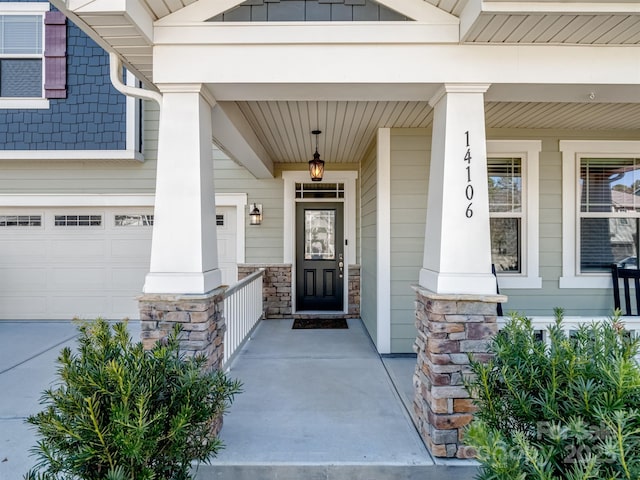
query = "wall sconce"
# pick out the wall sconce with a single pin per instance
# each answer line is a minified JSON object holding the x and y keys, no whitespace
{"x":316,"y":166}
{"x":255,"y":214}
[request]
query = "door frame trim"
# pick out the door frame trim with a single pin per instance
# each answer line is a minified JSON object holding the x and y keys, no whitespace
{"x":348,"y":177}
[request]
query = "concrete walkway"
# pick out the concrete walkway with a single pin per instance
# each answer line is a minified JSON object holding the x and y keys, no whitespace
{"x":317,"y":404}
{"x":28,"y":353}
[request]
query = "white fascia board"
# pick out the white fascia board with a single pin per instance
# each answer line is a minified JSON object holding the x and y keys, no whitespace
{"x":132,"y":10}
{"x":468,"y":17}
{"x":570,"y":8}
{"x":307,"y":33}
{"x":233,"y":134}
{"x":79,"y":200}
{"x":350,"y":63}
{"x":73,"y":155}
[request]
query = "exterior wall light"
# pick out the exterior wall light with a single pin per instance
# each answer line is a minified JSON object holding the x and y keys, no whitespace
{"x":255,"y":214}
{"x":316,"y":166}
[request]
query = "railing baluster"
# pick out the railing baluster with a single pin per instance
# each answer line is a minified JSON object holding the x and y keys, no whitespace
{"x":242,"y":311}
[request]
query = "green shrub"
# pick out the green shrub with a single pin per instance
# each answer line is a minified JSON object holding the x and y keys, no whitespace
{"x":122,"y":413}
{"x":566,"y":410}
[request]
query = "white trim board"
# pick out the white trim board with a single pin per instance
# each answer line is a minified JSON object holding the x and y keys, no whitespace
{"x":572,"y":151}
{"x":72,"y":155}
{"x":383,"y":235}
{"x":289,"y":254}
{"x":529,"y":152}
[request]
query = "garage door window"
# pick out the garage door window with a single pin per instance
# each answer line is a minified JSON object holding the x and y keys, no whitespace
{"x":20,"y":220}
{"x":134,"y":220}
{"x":78,"y":220}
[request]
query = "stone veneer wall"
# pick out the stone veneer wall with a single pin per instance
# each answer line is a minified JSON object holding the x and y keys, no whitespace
{"x":450,"y":328}
{"x":354,"y":291}
{"x":277,"y":289}
{"x":202,"y":321}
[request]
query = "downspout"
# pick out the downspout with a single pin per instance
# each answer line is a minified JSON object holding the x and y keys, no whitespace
{"x":115,"y":74}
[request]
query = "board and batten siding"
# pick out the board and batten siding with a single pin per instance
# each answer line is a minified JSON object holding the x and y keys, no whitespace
{"x":410,"y":154}
{"x":368,"y":243}
{"x":263,"y":243}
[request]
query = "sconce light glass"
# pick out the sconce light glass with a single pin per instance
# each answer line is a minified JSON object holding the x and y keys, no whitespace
{"x":255,"y":214}
{"x":316,"y":166}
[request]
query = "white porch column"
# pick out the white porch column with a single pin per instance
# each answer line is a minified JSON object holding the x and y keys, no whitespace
{"x":184,"y":256}
{"x":457,"y":251}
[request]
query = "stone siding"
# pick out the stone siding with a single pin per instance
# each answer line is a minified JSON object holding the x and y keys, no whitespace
{"x":450,"y":329}
{"x":276,"y":288}
{"x":201,"y":318}
{"x":202,"y":321}
{"x":354,"y":291}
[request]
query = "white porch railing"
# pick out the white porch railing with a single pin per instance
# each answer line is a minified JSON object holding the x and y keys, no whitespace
{"x":540,"y":324}
{"x":242,"y":311}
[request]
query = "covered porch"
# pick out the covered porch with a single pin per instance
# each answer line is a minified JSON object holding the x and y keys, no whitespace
{"x":412,"y":110}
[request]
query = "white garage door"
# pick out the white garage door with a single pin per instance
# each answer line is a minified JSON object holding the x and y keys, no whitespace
{"x":60,"y":263}
{"x":227,"y":244}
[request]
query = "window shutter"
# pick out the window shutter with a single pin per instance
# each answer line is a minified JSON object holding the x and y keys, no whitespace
{"x":55,"y":49}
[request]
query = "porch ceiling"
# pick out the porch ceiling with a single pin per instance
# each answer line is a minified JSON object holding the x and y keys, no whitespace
{"x":348,"y":127}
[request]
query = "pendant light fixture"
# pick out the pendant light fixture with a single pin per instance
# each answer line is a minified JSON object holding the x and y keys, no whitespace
{"x":316,"y":166}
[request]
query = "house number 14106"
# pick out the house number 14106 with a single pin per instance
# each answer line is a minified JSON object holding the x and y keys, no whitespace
{"x":468,"y":191}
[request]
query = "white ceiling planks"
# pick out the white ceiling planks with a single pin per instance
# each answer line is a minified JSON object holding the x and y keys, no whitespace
{"x":555,"y":28}
{"x":347,"y":127}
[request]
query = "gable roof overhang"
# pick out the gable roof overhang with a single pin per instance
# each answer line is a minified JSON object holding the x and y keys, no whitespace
{"x":361,"y":76}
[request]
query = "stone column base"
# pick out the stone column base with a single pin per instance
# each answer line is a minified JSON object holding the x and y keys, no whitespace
{"x":201,"y":318}
{"x":450,"y":329}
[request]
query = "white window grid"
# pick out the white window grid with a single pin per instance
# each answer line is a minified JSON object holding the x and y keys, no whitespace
{"x":573,"y":151}
{"x":77,"y":220}
{"x":20,"y":220}
{"x":513,"y":210}
{"x":30,"y":9}
{"x":133,"y":220}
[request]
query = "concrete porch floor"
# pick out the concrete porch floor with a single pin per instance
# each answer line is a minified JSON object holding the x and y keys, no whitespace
{"x":317,"y":404}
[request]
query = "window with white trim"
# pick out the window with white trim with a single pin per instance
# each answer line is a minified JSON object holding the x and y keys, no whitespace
{"x":133,"y":220}
{"x":21,"y":54}
{"x":600,"y":210}
{"x":78,"y":220}
{"x":506,"y":212}
{"x":609,"y":192}
{"x":20,"y":220}
{"x":513,"y":173}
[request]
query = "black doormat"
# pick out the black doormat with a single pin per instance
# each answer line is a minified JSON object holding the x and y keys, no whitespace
{"x":300,"y":323}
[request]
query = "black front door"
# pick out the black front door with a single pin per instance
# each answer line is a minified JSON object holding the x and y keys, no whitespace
{"x":319,"y":256}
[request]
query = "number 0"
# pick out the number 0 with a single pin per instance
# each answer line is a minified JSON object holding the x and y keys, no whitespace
{"x":469,"y":192}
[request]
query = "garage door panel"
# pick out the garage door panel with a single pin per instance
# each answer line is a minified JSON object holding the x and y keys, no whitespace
{"x":15,"y":279}
{"x":131,"y":248}
{"x":56,"y":272}
{"x":21,"y":251}
{"x":130,"y":279}
{"x":78,"y":249}
{"x":122,"y":306}
{"x":86,"y":306}
{"x":19,"y":307}
{"x":62,"y":278}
